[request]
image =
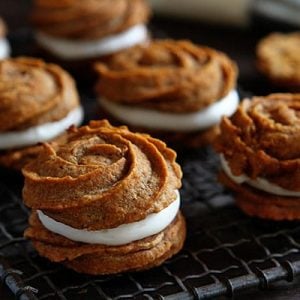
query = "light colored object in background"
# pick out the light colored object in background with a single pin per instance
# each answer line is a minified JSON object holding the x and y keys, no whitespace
{"x":4,"y":48}
{"x":258,"y":183}
{"x":287,"y":11}
{"x":155,"y":119}
{"x":40,"y":133}
{"x":234,"y":12}
{"x":121,"y":235}
{"x":79,"y":49}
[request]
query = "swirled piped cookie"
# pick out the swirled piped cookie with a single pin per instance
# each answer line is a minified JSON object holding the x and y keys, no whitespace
{"x":105,"y":200}
{"x":260,"y":156}
{"x":279,"y":60}
{"x":76,"y":29}
{"x":175,"y":90}
{"x":38,"y":102}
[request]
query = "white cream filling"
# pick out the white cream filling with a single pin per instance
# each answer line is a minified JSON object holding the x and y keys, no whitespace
{"x":4,"y":48}
{"x":173,"y":121}
{"x":75,"y":49}
{"x":40,"y":133}
{"x":121,"y":235}
{"x":259,"y":183}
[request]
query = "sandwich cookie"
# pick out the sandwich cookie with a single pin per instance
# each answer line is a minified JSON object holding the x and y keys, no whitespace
{"x":105,"y":200}
{"x":175,"y":90}
{"x":259,"y":149}
{"x":38,"y":102}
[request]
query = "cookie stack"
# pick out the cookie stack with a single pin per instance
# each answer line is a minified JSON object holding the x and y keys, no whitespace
{"x":128,"y":219}
{"x":82,"y":30}
{"x":259,"y":147}
{"x":176,"y":90}
{"x":38,"y":102}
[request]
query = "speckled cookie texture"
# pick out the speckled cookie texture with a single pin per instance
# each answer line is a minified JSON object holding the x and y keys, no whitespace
{"x":262,"y":140}
{"x":101,"y":177}
{"x":32,"y":93}
{"x":168,"y":76}
{"x":279,"y":60}
{"x":86,"y":22}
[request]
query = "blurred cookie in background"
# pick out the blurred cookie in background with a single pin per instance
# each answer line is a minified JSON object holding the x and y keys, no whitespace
{"x":278,"y":58}
{"x":76,"y":32}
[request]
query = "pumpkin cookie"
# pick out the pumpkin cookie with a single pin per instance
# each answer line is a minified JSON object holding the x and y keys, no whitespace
{"x":175,"y":90}
{"x":279,"y":60}
{"x":260,"y":156}
{"x":79,"y":30}
{"x":105,"y":200}
{"x":38,"y":102}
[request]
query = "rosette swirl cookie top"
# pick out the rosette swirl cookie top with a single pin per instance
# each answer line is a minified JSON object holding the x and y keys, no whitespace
{"x":278,"y":58}
{"x":4,"y":45}
{"x":260,"y":155}
{"x":171,"y":86}
{"x":77,"y":29}
{"x":105,"y":200}
{"x":38,"y":102}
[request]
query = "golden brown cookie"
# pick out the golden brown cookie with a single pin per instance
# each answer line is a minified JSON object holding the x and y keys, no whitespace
{"x":260,"y":149}
{"x":279,"y":60}
{"x":174,"y":78}
{"x":75,"y":32}
{"x":89,"y":19}
{"x":104,"y":177}
{"x":33,"y":95}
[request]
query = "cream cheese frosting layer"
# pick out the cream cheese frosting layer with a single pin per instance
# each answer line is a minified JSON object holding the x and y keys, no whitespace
{"x":4,"y":48}
{"x":121,"y":235}
{"x":76,"y":49}
{"x":173,"y":121}
{"x":40,"y":133}
{"x":259,"y":183}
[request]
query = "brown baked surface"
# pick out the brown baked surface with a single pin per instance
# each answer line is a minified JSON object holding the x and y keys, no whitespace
{"x":167,"y":75}
{"x":101,"y":259}
{"x":261,"y":204}
{"x":262,"y":139}
{"x":32,"y":92}
{"x":278,"y":58}
{"x":68,"y":184}
{"x":88,"y":19}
